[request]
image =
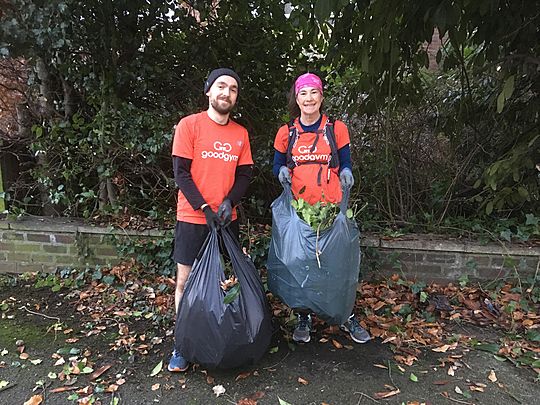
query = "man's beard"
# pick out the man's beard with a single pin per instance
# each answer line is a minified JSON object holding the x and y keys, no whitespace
{"x":220,"y":108}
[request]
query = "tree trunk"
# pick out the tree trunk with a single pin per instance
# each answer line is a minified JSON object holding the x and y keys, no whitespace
{"x":47,"y":111}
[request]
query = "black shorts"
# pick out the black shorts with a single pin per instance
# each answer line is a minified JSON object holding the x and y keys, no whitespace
{"x":189,"y":238}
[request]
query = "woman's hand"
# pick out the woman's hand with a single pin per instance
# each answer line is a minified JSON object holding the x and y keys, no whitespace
{"x":284,"y":176}
{"x":346,"y":178}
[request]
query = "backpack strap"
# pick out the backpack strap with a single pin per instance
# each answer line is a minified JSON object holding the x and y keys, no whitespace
{"x":331,"y":136}
{"x":293,"y":135}
{"x":328,"y":131}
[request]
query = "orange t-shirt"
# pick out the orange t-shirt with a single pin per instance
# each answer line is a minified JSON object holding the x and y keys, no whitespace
{"x":312,"y":178}
{"x":215,"y":151}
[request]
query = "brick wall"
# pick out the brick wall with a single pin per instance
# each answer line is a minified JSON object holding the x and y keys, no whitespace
{"x":46,"y":244}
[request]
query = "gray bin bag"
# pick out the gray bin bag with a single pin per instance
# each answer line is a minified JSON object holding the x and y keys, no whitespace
{"x":218,"y":335}
{"x":294,"y":274}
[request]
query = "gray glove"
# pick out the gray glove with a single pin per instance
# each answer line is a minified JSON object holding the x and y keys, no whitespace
{"x":284,"y":176}
{"x":225,"y":212}
{"x":346,"y":178}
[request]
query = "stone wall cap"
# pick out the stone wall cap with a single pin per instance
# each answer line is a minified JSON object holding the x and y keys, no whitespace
{"x":28,"y":223}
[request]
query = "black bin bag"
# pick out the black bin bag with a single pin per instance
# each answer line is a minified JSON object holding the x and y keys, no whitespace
{"x":218,"y":335}
{"x":294,"y":274}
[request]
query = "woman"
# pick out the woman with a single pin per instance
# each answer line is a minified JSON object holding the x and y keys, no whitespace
{"x":312,"y":154}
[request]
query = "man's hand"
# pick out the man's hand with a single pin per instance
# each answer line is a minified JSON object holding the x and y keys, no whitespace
{"x":212,"y":220}
{"x":284,"y":176}
{"x":225,"y":212}
{"x":346,"y":178}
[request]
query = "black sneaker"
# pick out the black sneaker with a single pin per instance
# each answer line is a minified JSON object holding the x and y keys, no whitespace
{"x":358,"y":334}
{"x":303,"y":327}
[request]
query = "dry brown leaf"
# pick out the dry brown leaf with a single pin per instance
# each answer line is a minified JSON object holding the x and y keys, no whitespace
{"x":381,"y":366}
{"x":441,"y":382}
{"x":97,"y":373}
{"x":336,"y":344}
{"x":112,"y":388}
{"x":241,"y":376}
{"x":210,"y":379}
{"x":155,"y":387}
{"x":492,"y":376}
{"x":302,"y":381}
{"x":63,"y":389}
{"x":35,"y":400}
{"x":24,"y":356}
{"x":441,"y":349}
{"x":246,"y":401}
{"x":387,"y":394}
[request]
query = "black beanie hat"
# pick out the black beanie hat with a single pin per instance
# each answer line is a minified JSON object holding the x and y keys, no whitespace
{"x":214,"y":74}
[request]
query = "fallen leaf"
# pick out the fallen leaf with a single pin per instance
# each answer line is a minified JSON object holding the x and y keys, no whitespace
{"x":24,"y":356}
{"x":210,"y":380}
{"x":302,"y":381}
{"x":157,"y":369}
{"x":413,"y":378}
{"x":387,"y":394}
{"x":35,"y":400}
{"x":60,"y":361}
{"x":336,"y":344}
{"x":441,"y":382}
{"x":218,"y":390}
{"x":63,"y":389}
{"x":155,"y":387}
{"x":241,"y":376}
{"x":112,"y":388}
{"x":3,"y":383}
{"x":492,"y":376}
{"x":36,"y":362}
{"x":475,"y":388}
{"x":381,"y":366}
{"x":246,"y":401}
{"x":100,"y":371}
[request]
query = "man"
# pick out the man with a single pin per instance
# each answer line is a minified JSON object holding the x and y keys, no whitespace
{"x":212,"y":168}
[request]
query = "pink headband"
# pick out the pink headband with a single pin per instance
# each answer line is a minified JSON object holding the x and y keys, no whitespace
{"x":307,"y":80}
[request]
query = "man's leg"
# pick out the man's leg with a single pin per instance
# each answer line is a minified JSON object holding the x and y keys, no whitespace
{"x":182,"y":274}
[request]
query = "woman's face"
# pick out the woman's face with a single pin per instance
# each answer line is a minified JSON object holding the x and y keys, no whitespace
{"x":309,"y":99}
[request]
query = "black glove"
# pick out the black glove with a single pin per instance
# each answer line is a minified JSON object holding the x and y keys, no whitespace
{"x":212,"y":219}
{"x":225,"y":212}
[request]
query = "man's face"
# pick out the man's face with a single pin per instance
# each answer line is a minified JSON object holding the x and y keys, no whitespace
{"x":222,"y":95}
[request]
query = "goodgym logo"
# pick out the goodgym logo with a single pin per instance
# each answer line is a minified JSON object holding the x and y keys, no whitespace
{"x":221,"y":151}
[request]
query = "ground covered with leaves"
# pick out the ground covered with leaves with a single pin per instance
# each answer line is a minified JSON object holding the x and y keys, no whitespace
{"x":104,"y":336}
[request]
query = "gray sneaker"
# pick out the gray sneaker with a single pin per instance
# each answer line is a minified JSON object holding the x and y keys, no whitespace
{"x":358,"y":334}
{"x":303,"y":327}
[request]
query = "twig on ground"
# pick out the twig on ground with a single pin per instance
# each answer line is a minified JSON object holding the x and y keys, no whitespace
{"x":457,"y":400}
{"x":364,"y":395}
{"x":274,"y":365}
{"x":390,"y":375}
{"x":38,"y":314}
{"x":7,"y":387}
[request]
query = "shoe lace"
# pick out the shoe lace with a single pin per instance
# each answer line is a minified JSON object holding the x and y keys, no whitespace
{"x":354,"y":325}
{"x":303,"y":322}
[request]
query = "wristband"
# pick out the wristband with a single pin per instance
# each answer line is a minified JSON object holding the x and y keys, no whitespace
{"x":204,"y":206}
